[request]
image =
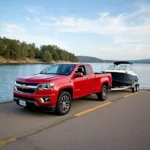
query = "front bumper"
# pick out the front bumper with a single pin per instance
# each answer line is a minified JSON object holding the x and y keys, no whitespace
{"x":31,"y":104}
{"x":34,"y":100}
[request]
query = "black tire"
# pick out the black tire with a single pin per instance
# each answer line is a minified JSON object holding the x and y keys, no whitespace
{"x":63,"y":103}
{"x":102,"y":96}
{"x":135,"y":89}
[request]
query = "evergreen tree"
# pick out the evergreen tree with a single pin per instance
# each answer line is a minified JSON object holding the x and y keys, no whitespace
{"x":1,"y":48}
{"x":47,"y":56}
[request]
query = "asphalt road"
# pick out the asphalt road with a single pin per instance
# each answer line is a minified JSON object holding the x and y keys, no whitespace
{"x":124,"y":124}
{"x":16,"y":120}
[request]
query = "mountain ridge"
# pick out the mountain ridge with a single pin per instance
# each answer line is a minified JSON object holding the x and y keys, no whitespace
{"x":92,"y":59}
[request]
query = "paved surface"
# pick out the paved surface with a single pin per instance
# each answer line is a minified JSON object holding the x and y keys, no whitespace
{"x":124,"y":124}
{"x":15,"y":119}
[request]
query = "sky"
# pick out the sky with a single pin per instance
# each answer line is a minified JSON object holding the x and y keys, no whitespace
{"x":107,"y":29}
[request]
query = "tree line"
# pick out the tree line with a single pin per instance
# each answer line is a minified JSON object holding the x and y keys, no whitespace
{"x":14,"y":49}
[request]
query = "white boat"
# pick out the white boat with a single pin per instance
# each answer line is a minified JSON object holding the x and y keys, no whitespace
{"x":122,"y":74}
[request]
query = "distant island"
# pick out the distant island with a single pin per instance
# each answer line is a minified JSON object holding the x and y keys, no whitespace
{"x":90,"y":59}
{"x":146,"y":61}
{"x":14,"y":51}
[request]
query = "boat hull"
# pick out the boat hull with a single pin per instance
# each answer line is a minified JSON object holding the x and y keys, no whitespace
{"x":122,"y":79}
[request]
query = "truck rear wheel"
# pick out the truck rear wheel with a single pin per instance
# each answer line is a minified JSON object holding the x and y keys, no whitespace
{"x":102,"y":96}
{"x":64,"y":103}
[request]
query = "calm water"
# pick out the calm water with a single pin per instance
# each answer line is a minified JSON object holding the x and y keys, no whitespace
{"x":8,"y":74}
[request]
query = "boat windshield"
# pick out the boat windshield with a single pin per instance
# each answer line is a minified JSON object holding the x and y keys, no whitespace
{"x":122,"y":67}
{"x":112,"y":67}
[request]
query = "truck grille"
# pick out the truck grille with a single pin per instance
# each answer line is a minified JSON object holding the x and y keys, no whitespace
{"x":26,"y":90}
{"x":26,"y":87}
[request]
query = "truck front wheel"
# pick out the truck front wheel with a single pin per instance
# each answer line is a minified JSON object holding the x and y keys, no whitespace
{"x":102,"y":96}
{"x":64,"y":103}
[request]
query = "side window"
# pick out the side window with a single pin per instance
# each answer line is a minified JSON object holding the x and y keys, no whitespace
{"x":81,"y":69}
{"x":89,"y":70}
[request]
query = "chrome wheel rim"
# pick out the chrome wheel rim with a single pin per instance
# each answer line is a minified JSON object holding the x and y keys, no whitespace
{"x":64,"y":103}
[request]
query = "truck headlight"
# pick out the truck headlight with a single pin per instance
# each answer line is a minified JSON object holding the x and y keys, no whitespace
{"x":46,"y":86}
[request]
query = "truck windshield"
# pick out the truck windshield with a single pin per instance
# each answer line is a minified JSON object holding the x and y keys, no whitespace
{"x":59,"y":69}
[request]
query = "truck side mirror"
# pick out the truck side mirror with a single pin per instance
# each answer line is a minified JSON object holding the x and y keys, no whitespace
{"x":78,"y":74}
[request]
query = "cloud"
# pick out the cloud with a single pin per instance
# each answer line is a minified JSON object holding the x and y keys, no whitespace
{"x":40,"y":22}
{"x":34,"y":19}
{"x":32,"y":10}
{"x":128,"y":23}
{"x":103,"y":15}
{"x":52,"y":18}
{"x":35,"y":9}
{"x":29,"y":19}
{"x":105,"y":24}
{"x":13,"y":28}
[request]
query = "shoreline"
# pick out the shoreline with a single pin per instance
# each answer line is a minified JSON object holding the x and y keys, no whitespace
{"x":25,"y":61}
{"x":6,"y":101}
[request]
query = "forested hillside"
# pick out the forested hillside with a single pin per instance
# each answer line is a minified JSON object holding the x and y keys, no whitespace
{"x":89,"y":59}
{"x":14,"y":49}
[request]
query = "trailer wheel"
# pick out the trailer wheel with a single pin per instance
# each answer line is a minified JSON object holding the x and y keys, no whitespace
{"x":64,"y":103}
{"x":102,"y":96}
{"x":135,"y":88}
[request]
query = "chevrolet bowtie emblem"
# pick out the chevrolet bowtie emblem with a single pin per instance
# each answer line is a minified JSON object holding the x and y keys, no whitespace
{"x":23,"y":86}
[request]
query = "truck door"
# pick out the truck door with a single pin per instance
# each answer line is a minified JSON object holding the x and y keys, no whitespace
{"x":90,"y":79}
{"x":80,"y":83}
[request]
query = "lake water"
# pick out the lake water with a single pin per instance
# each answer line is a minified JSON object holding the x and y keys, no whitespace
{"x":8,"y":74}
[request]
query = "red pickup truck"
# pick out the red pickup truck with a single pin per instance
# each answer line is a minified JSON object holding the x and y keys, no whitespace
{"x":55,"y":87}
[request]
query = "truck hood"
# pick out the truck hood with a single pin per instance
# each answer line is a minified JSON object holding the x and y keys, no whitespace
{"x":39,"y":78}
